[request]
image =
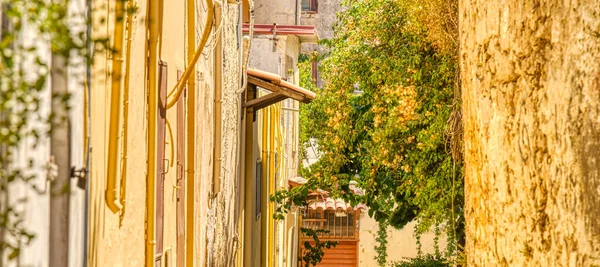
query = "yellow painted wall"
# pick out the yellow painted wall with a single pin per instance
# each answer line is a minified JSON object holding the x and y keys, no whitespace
{"x":114,"y":241}
{"x":118,"y":239}
{"x":275,"y":132}
{"x":253,"y":232}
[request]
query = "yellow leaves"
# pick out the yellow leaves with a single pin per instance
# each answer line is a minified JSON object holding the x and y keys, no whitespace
{"x":336,"y":140}
{"x":377,"y":120}
{"x":406,"y":168}
{"x":384,"y":151}
{"x":397,"y":160}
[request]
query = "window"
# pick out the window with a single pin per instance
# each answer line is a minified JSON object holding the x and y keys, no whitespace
{"x":340,"y":224}
{"x":310,"y":5}
{"x":258,"y":187}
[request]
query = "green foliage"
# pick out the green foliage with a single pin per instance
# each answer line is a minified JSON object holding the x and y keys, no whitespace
{"x":428,"y":260}
{"x":381,"y":246}
{"x":387,"y":115}
{"x":285,"y":199}
{"x":383,"y":116}
{"x":314,"y":254}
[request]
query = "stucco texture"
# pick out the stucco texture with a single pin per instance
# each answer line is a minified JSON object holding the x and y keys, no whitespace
{"x":119,"y":239}
{"x":531,"y":107}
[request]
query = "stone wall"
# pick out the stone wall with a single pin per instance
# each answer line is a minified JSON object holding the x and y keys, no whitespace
{"x":225,"y":228}
{"x":323,"y":20}
{"x":531,"y":102}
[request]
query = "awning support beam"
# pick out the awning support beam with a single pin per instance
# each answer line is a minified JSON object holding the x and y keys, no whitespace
{"x":280,"y":90}
{"x":265,"y":101}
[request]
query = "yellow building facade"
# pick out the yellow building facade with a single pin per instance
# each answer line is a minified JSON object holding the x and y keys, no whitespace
{"x":186,"y":148}
{"x":164,"y":109}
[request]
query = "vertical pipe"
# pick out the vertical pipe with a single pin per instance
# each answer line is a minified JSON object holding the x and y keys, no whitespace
{"x":60,"y":150}
{"x":239,"y":193}
{"x":249,"y":209}
{"x":115,"y":100}
{"x":191,"y":134}
{"x":123,"y":194}
{"x":264,"y":178}
{"x":271,"y":183}
{"x":297,"y":15}
{"x":218,"y":64}
{"x":152,"y":118}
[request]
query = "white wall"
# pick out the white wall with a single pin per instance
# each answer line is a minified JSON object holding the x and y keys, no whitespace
{"x":401,"y":243}
{"x":36,"y":210}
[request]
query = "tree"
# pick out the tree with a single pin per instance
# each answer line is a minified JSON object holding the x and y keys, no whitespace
{"x":384,"y":116}
{"x":531,"y":103}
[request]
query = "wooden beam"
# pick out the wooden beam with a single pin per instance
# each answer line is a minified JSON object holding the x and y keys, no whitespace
{"x":264,"y":101}
{"x":278,"y":89}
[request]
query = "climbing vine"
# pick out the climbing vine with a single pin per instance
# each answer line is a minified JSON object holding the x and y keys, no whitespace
{"x":381,"y":246}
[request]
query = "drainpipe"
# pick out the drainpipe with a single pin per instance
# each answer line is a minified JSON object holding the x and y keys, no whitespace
{"x":191,"y":65}
{"x":217,"y":115}
{"x":123,"y":194}
{"x":271,"y":181}
{"x":115,"y":100}
{"x":60,"y":150}
{"x":191,"y":134}
{"x":264,"y":217}
{"x":238,"y":236}
{"x":152,"y":117}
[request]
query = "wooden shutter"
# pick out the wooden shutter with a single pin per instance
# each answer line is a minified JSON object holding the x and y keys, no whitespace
{"x":345,"y":254}
{"x":160,"y":158}
{"x":180,"y":177}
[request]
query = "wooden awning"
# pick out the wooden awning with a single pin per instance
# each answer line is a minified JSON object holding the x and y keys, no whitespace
{"x":280,"y":90}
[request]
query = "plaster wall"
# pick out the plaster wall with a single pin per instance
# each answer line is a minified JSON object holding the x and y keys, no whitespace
{"x":280,"y":12}
{"x":118,"y":239}
{"x":401,"y":243}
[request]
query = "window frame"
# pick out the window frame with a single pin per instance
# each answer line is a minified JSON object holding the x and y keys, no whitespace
{"x":340,"y":228}
{"x":258,"y":189}
{"x":313,"y":6}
